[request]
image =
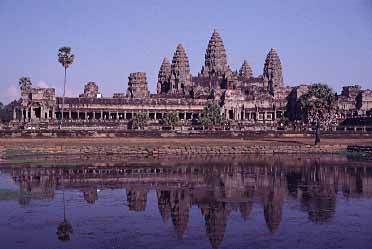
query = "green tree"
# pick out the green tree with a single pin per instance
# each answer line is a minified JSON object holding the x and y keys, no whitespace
{"x":211,"y":115}
{"x":139,"y":120}
{"x":170,"y":119}
{"x":317,"y":107}
{"x":66,"y":59}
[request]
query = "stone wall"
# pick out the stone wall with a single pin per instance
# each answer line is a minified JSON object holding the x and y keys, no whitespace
{"x":207,"y":134}
{"x":158,"y":149}
{"x":360,"y":149}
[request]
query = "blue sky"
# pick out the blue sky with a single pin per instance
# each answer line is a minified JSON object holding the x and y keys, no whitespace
{"x":326,"y":41}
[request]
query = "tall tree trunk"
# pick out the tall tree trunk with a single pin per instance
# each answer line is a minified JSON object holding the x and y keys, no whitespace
{"x":64,"y":206}
{"x":317,"y":134}
{"x":63,"y":97}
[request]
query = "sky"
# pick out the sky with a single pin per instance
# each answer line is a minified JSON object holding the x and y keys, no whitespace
{"x":327,"y":41}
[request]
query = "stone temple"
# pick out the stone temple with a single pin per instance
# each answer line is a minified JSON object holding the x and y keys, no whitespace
{"x":247,"y":101}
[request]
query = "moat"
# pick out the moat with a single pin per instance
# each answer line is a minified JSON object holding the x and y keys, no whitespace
{"x":250,"y":201}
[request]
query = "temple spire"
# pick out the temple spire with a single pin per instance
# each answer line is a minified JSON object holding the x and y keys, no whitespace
{"x":164,"y":77}
{"x":180,"y":72}
{"x":245,"y":70}
{"x":272,"y":73}
{"x":215,"y":57}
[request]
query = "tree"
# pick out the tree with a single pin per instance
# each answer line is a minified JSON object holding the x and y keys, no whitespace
{"x":139,"y":120}
{"x":25,"y":84}
{"x":317,"y":107}
{"x":211,"y":115}
{"x":169,"y":119}
{"x":6,"y":111}
{"x":66,"y":59}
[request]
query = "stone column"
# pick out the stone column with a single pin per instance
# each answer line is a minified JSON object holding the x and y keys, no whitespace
{"x":86,"y":116}
{"x":274,"y":114}
{"x":14,"y":114}
{"x":54,"y":113}
{"x":42,"y":115}
{"x":31,"y":113}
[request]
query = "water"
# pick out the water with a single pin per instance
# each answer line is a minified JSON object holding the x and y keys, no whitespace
{"x":245,"y":202}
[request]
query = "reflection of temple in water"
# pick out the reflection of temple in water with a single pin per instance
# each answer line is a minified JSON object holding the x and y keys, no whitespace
{"x":216,"y":189}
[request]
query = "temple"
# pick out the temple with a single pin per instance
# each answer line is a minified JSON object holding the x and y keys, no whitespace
{"x":247,"y":102}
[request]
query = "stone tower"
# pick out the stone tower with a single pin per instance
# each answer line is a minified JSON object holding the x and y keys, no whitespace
{"x":180,"y":72}
{"x":137,"y":85}
{"x":164,"y":76}
{"x":90,"y":90}
{"x":215,"y":57}
{"x":272,"y":73}
{"x":245,"y":71}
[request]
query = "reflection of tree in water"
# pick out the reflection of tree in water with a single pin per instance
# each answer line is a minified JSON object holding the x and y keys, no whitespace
{"x":294,"y":181}
{"x":90,"y":195}
{"x":320,"y":203}
{"x":319,"y":190}
{"x":64,"y":229}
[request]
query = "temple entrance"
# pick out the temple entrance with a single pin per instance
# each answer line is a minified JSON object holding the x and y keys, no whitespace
{"x":37,"y":111}
{"x":231,"y":114}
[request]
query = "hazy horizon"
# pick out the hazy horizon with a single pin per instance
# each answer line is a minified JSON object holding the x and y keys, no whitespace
{"x":317,"y":41}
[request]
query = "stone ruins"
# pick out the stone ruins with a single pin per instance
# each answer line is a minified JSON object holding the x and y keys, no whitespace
{"x":247,"y":102}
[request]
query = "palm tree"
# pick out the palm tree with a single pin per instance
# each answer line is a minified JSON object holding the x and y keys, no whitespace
{"x":66,"y":59}
{"x":24,"y":84}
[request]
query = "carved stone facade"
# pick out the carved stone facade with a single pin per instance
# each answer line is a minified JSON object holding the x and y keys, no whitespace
{"x":215,"y":64}
{"x":247,"y":102}
{"x":180,"y":73}
{"x":164,"y":77}
{"x":90,"y":90}
{"x":137,"y":85}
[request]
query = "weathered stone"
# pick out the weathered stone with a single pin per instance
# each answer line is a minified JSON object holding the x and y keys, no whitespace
{"x":164,"y":77}
{"x":180,"y":72}
{"x":215,"y":58}
{"x":245,"y":71}
{"x":272,"y":73}
{"x":137,"y":85}
{"x":90,"y":90}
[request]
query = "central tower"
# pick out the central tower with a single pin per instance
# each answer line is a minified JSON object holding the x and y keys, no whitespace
{"x":215,"y":58}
